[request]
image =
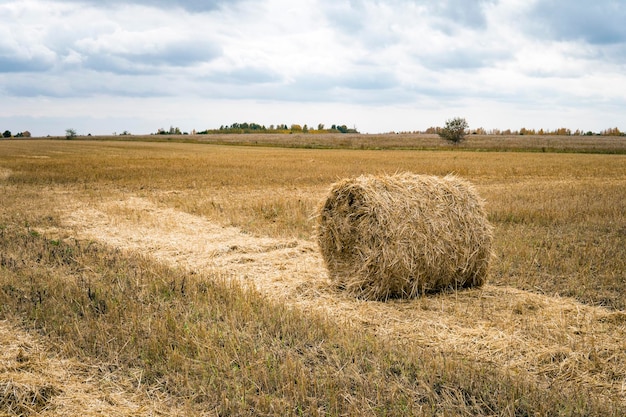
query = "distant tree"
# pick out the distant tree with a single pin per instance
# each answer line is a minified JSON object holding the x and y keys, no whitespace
{"x":563,"y":131}
{"x":70,"y":133}
{"x":614,"y":131}
{"x":320,"y":126}
{"x":7,"y":134}
{"x":454,"y":130}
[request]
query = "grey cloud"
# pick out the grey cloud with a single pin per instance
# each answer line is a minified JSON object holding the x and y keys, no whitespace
{"x":356,"y":19}
{"x":367,"y":86}
{"x":249,"y":82}
{"x":460,"y":13}
{"x":189,"y":5}
{"x":21,"y":57}
{"x":87,"y":84}
{"x":118,"y":65}
{"x":177,"y":54}
{"x":348,"y":16}
{"x":595,"y":22}
{"x":244,"y":76}
{"x":352,"y":15}
{"x":464,"y":58}
{"x":45,"y":86}
{"x":359,"y":79}
{"x":12,"y":63}
{"x":368,"y":80}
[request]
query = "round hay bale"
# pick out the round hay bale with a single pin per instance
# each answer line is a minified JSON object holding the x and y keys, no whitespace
{"x":403,"y":235}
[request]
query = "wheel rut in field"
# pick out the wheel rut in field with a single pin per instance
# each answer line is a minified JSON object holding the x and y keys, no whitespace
{"x":547,"y":338}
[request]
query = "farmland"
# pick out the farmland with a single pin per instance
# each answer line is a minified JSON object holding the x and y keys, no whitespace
{"x":182,"y":277}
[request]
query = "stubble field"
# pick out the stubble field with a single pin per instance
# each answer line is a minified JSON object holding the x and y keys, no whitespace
{"x":183,"y":278}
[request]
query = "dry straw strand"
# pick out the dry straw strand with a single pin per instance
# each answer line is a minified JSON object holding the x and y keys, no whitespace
{"x":402,"y":235}
{"x":23,"y":399}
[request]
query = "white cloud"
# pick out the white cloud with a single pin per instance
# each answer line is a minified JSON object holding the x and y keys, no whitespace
{"x":380,"y":60}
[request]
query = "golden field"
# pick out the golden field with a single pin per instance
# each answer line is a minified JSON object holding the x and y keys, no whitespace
{"x":183,"y":278}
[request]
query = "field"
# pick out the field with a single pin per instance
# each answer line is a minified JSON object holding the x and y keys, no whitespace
{"x":180,"y":277}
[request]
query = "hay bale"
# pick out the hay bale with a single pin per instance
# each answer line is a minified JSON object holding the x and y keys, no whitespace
{"x":403,"y":235}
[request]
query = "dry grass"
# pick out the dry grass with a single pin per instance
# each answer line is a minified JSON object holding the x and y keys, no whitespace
{"x":531,"y":143}
{"x":404,"y":235}
{"x":36,"y":381}
{"x":511,"y":329}
{"x":196,"y":344}
{"x":177,"y":338}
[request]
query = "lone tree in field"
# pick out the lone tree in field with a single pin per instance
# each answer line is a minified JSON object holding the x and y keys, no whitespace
{"x":70,"y":133}
{"x":454,"y":131}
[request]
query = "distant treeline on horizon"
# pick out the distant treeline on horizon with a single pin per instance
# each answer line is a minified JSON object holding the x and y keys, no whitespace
{"x":243,"y":128}
{"x":258,"y":128}
{"x":239,"y":128}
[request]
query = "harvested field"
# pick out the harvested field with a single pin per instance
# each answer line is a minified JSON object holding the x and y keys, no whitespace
{"x":138,"y":241}
{"x":543,"y":337}
{"x":34,"y":381}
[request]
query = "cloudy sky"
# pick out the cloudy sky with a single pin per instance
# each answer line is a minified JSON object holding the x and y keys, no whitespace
{"x":104,"y":66}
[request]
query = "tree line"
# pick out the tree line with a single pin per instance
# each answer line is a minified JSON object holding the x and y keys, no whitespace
{"x":248,"y":127}
{"x":562,"y":131}
{"x":457,"y":128}
{"x":7,"y":134}
{"x":454,"y":130}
